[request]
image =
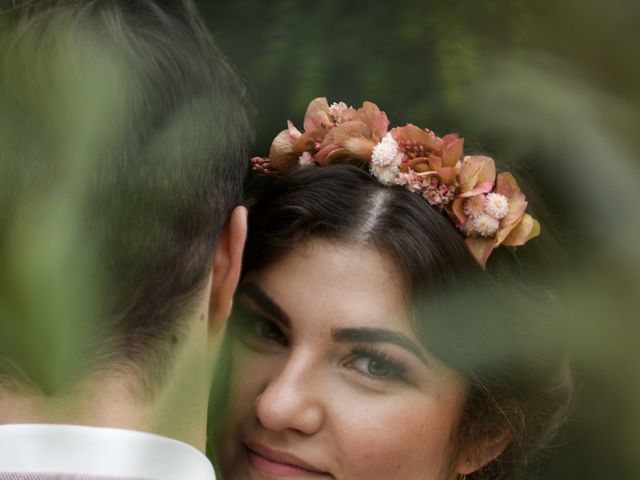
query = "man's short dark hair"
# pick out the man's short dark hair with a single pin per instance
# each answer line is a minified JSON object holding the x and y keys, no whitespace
{"x":161,"y":123}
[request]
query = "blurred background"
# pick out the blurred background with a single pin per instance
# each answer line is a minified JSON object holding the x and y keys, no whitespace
{"x":552,"y":87}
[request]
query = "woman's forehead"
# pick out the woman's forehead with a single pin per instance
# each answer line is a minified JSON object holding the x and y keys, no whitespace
{"x":336,"y":282}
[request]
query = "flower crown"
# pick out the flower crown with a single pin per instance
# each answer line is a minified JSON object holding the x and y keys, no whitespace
{"x":488,"y":209}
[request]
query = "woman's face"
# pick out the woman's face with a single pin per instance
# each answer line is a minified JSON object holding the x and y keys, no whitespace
{"x":329,"y":379}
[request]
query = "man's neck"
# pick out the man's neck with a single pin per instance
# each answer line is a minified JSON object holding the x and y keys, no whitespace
{"x":178,"y":409}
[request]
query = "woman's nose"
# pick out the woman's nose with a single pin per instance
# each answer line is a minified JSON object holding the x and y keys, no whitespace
{"x":291,"y":400}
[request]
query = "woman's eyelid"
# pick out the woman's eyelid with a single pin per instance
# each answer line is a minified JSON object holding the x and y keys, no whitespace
{"x":255,"y":309}
{"x":385,"y":352}
{"x":398,"y":367}
{"x":253,"y":319}
{"x":281,"y":332}
{"x":282,"y":337}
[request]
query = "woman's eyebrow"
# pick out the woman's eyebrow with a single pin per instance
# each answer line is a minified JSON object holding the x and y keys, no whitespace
{"x":264,"y":301}
{"x":378,"y":335}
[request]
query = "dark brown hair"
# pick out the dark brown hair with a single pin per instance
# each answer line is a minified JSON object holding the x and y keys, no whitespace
{"x":497,"y":327}
{"x":167,"y":161}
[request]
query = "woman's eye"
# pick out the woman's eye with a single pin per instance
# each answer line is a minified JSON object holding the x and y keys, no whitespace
{"x":256,"y":330}
{"x":267,"y":329}
{"x":377,"y":368}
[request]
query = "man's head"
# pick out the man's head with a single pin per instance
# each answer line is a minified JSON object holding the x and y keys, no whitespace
{"x":123,"y":118}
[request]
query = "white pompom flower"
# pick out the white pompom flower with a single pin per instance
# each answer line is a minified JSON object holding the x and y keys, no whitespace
{"x":484,"y":225}
{"x":496,"y":205}
{"x":387,"y":152}
{"x":305,"y":159}
{"x":388,"y":175}
{"x":474,"y":206}
{"x":386,"y":159}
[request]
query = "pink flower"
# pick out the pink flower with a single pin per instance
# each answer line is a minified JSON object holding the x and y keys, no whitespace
{"x":322,"y":116}
{"x":354,"y":134}
{"x":496,"y":205}
{"x":426,"y":152}
{"x":474,"y":206}
{"x":486,"y":231}
{"x":282,"y":154}
{"x":476,"y":178}
{"x":488,"y":209}
{"x":331,"y":133}
{"x":430,"y":163}
{"x":484,"y":225}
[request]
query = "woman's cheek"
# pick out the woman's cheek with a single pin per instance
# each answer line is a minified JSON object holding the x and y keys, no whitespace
{"x":398,"y":440}
{"x":250,"y":375}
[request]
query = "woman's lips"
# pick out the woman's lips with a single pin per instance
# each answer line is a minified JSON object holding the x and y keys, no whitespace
{"x":279,"y":464}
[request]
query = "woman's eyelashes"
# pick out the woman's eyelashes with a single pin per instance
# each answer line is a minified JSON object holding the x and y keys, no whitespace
{"x":259,"y":332}
{"x":254,"y":328}
{"x":375,"y":364}
{"x":265,"y":328}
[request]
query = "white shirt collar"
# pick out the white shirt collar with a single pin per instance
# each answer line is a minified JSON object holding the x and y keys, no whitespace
{"x":107,"y":452}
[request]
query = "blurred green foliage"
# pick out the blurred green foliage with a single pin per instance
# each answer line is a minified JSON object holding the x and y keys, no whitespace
{"x":55,"y":108}
{"x":551,"y":88}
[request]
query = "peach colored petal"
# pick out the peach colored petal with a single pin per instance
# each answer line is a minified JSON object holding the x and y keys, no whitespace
{"x":346,"y":131}
{"x":414,"y":162}
{"x":452,"y":151}
{"x":504,"y":232}
{"x":293,"y":131}
{"x":374,"y":118}
{"x":447,"y":174}
{"x":324,"y":152}
{"x":525,"y":230}
{"x":319,"y":121}
{"x":339,"y":155}
{"x":507,"y":185}
{"x":411,"y":133}
{"x":313,"y":119}
{"x":517,"y":207}
{"x":309,"y":141}
{"x":281,"y":145}
{"x":477,"y":175}
{"x":335,"y":156}
{"x":323,"y":120}
{"x":360,"y":148}
{"x":435,"y":162}
{"x":450,"y":138}
{"x":349,"y":115}
{"x":457,"y":208}
{"x":480,"y":248}
{"x":421,"y":168}
{"x":354,"y":137}
{"x":433,"y":142}
{"x":281,"y":154}
{"x":284,"y":164}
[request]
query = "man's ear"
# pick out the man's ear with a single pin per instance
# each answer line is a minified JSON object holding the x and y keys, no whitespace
{"x":484,"y":450}
{"x":227,"y":264}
